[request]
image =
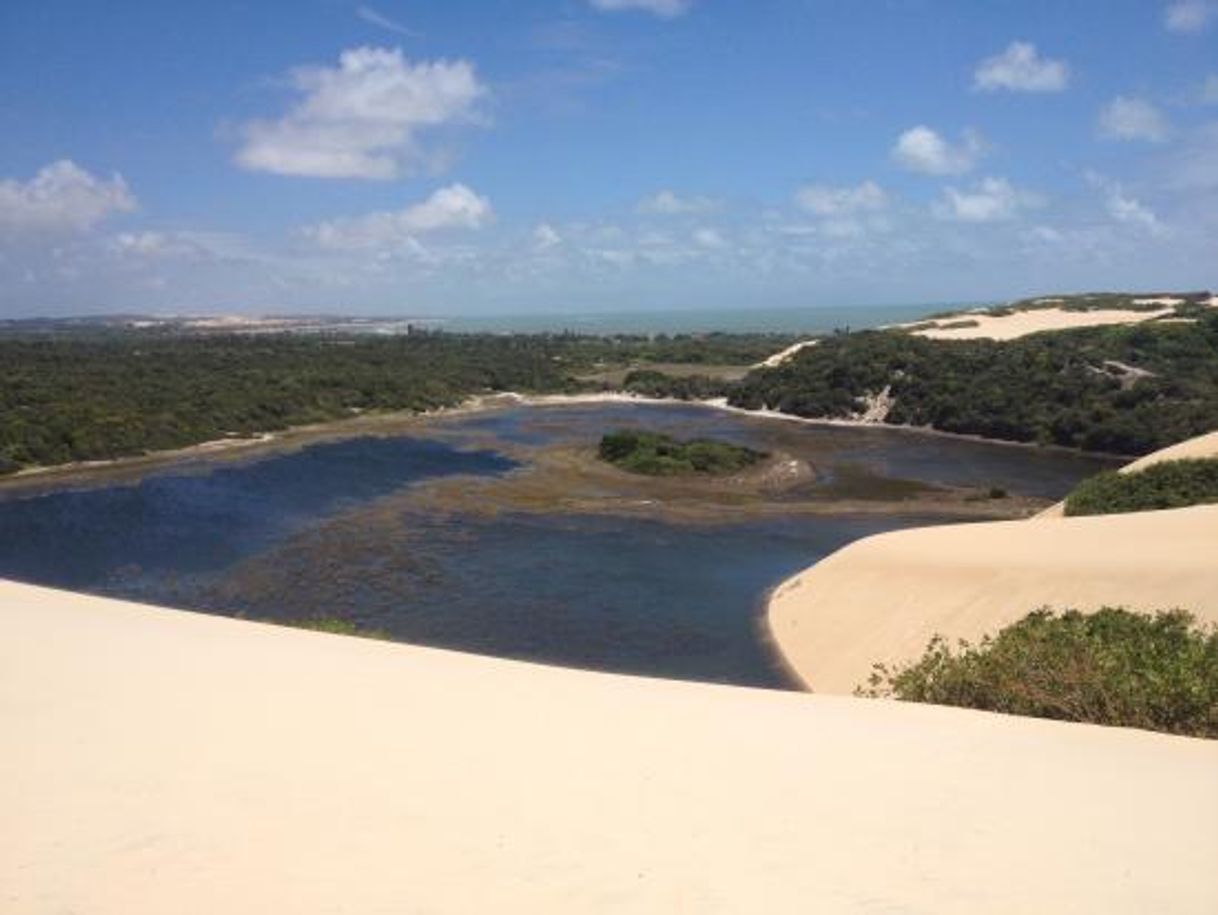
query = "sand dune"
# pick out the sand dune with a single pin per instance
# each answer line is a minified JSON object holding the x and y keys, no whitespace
{"x":1022,"y":323}
{"x":883,"y":597}
{"x":156,"y":761}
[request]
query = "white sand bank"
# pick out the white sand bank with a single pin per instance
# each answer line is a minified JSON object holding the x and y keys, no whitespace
{"x":882,"y":598}
{"x":154,"y":761}
{"x":1022,"y":323}
{"x":783,"y":355}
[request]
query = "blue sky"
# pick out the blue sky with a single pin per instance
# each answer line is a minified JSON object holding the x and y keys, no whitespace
{"x":586,"y":155}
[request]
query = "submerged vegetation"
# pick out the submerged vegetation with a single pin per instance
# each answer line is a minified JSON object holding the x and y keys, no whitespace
{"x":1122,"y":389}
{"x":1169,"y":484}
{"x":655,"y":454}
{"x":1115,"y":667}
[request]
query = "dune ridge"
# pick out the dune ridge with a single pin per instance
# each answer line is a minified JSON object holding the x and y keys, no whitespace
{"x":162,"y":761}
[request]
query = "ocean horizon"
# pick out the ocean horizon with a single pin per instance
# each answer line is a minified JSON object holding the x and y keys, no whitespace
{"x":812,"y":320}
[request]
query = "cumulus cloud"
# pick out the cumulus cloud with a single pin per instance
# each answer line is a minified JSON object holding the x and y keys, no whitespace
{"x":545,"y":237}
{"x":363,"y":118}
{"x":62,"y":197}
{"x":1020,"y":68}
{"x":921,"y":149}
{"x":667,"y":203}
{"x":452,"y":207}
{"x":665,"y":9}
{"x":1133,"y":119}
{"x":1189,"y":15}
{"x":829,"y":200}
{"x":1123,"y":207}
{"x":992,"y":200}
{"x":709,"y":238}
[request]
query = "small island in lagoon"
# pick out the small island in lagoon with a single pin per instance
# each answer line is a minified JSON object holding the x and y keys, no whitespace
{"x":657,"y":454}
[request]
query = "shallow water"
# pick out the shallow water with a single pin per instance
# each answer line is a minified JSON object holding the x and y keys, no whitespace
{"x":331,"y":530}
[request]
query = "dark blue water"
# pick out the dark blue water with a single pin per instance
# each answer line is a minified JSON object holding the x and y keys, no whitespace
{"x":331,"y":530}
{"x":212,"y":517}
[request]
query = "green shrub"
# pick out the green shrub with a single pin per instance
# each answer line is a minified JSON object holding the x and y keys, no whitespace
{"x":655,"y":454}
{"x":1115,"y":667}
{"x":1170,"y":484}
{"x":336,"y":626}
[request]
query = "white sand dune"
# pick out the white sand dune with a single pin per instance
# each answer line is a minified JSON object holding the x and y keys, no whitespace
{"x":881,"y":599}
{"x":1022,"y":323}
{"x":155,"y":761}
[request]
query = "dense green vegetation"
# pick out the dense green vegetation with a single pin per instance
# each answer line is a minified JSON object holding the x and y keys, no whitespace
{"x":1071,"y":388}
{"x":650,"y":383}
{"x":98,"y":396}
{"x":655,"y":454}
{"x":1114,"y":667}
{"x":1169,"y":484}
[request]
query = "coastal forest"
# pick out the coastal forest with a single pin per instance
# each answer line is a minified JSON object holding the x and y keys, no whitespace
{"x":1123,"y":390}
{"x":70,"y":398}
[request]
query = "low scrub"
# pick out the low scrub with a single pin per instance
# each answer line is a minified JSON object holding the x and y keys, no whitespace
{"x":1170,"y":484}
{"x":1114,"y":667}
{"x":655,"y":454}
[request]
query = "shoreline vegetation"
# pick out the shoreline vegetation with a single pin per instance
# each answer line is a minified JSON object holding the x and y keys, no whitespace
{"x":1157,"y":672}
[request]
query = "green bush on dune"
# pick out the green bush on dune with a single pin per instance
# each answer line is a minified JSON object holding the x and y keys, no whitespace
{"x":1114,"y":667}
{"x":655,"y":454}
{"x":1170,"y":484}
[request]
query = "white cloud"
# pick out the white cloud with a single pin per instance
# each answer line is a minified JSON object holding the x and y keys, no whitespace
{"x":372,"y":17}
{"x":62,"y":197}
{"x":1021,"y":69}
{"x":921,"y":149}
{"x":362,"y":119}
{"x":452,"y":207}
{"x":828,"y":200}
{"x":1124,"y":208}
{"x":666,"y":9}
{"x":1189,"y":15}
{"x":545,"y":237}
{"x":1209,"y":91}
{"x":667,"y":203}
{"x":1133,"y":119}
{"x":992,"y":200}
{"x":709,"y":238}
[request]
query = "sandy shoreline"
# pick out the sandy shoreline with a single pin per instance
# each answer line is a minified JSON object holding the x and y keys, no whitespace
{"x":159,"y":761}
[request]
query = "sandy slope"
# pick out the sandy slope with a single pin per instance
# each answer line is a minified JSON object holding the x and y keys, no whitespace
{"x":1022,"y":323}
{"x":155,"y":761}
{"x":883,"y":597}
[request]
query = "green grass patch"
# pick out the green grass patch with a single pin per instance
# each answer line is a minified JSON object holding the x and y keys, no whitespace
{"x":656,"y":454}
{"x":1115,"y":667}
{"x":1169,"y":484}
{"x":335,"y":626}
